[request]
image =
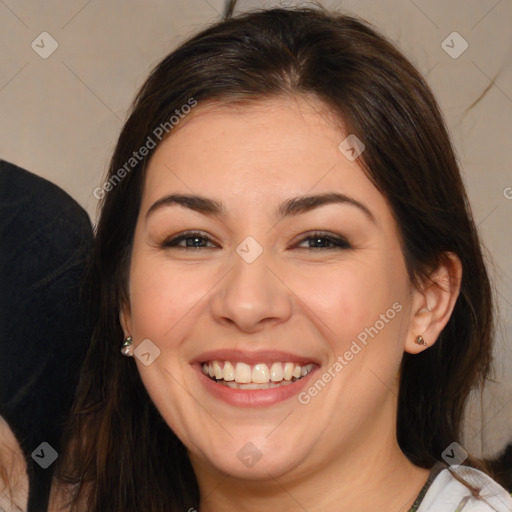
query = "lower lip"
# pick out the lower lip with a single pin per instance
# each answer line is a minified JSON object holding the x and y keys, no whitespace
{"x":253,"y":397}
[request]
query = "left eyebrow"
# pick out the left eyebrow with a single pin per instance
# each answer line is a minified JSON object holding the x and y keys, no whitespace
{"x":302,"y":204}
{"x":290,"y":207}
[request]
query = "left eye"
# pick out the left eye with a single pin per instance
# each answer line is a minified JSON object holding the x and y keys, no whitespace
{"x":323,"y":241}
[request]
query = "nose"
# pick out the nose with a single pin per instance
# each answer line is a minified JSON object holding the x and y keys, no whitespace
{"x":251,"y":297}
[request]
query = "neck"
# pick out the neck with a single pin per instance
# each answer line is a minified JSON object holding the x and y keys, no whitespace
{"x":396,"y":484}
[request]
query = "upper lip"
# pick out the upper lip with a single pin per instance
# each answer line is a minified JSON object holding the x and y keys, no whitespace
{"x":252,"y":357}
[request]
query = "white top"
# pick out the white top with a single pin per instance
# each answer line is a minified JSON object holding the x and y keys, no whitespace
{"x":447,"y":494}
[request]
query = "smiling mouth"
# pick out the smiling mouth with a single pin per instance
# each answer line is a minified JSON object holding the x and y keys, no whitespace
{"x":237,"y":375}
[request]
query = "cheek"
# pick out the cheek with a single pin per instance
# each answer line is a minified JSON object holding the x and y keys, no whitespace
{"x":161,"y":296}
{"x":347,"y":297}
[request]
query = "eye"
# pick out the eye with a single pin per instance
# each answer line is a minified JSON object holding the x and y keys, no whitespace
{"x":189,"y":240}
{"x":196,"y":240}
{"x":324,"y":241}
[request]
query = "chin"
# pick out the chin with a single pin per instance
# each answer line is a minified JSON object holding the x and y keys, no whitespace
{"x":259,"y":459}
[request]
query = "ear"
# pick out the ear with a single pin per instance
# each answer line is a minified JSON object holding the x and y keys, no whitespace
{"x":125,"y":317}
{"x":433,"y":304}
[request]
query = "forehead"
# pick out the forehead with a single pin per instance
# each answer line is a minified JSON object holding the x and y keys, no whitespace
{"x":256,"y":153}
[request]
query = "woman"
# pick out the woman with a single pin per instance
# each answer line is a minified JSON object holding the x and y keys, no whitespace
{"x":286,"y":248}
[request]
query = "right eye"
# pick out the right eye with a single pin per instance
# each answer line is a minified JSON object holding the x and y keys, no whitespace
{"x":192,"y":240}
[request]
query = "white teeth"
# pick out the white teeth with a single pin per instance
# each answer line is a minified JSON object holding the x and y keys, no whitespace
{"x":288,"y":371}
{"x":228,"y":373}
{"x":306,"y":369}
{"x":260,"y":373}
{"x":252,"y":385}
{"x":276,"y":372}
{"x":243,"y":373}
{"x":259,"y":376}
{"x":217,"y":370}
{"x":235,"y":385}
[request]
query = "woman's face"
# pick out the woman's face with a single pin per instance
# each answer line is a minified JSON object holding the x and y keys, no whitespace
{"x":263,"y":253}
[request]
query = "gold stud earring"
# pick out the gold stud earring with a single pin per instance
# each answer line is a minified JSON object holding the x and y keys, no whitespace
{"x":420,"y":341}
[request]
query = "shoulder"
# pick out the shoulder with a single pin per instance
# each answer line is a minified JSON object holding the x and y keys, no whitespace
{"x":20,"y":189}
{"x":447,"y":494}
{"x":39,"y":209}
{"x":13,"y":475}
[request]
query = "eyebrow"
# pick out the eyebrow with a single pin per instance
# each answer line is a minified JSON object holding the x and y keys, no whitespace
{"x":290,"y":207}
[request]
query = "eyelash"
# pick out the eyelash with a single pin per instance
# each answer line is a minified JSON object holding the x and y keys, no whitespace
{"x":337,"y":242}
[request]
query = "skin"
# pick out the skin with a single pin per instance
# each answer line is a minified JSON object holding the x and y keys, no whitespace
{"x":339,"y":451}
{"x":14,"y":483}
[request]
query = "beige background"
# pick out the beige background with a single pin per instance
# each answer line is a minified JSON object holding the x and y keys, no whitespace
{"x":60,"y":116}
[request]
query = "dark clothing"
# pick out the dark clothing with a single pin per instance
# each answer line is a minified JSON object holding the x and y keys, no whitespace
{"x":44,"y":330}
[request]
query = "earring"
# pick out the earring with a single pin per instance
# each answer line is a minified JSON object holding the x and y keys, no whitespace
{"x":420,"y":341}
{"x":127,"y":348}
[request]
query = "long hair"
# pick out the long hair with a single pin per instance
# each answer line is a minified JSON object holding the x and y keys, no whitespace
{"x":120,"y":454}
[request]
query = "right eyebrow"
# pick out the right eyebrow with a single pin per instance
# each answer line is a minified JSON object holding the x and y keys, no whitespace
{"x":197,"y":203}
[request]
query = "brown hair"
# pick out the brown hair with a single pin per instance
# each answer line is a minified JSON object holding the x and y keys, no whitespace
{"x":120,"y":452}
